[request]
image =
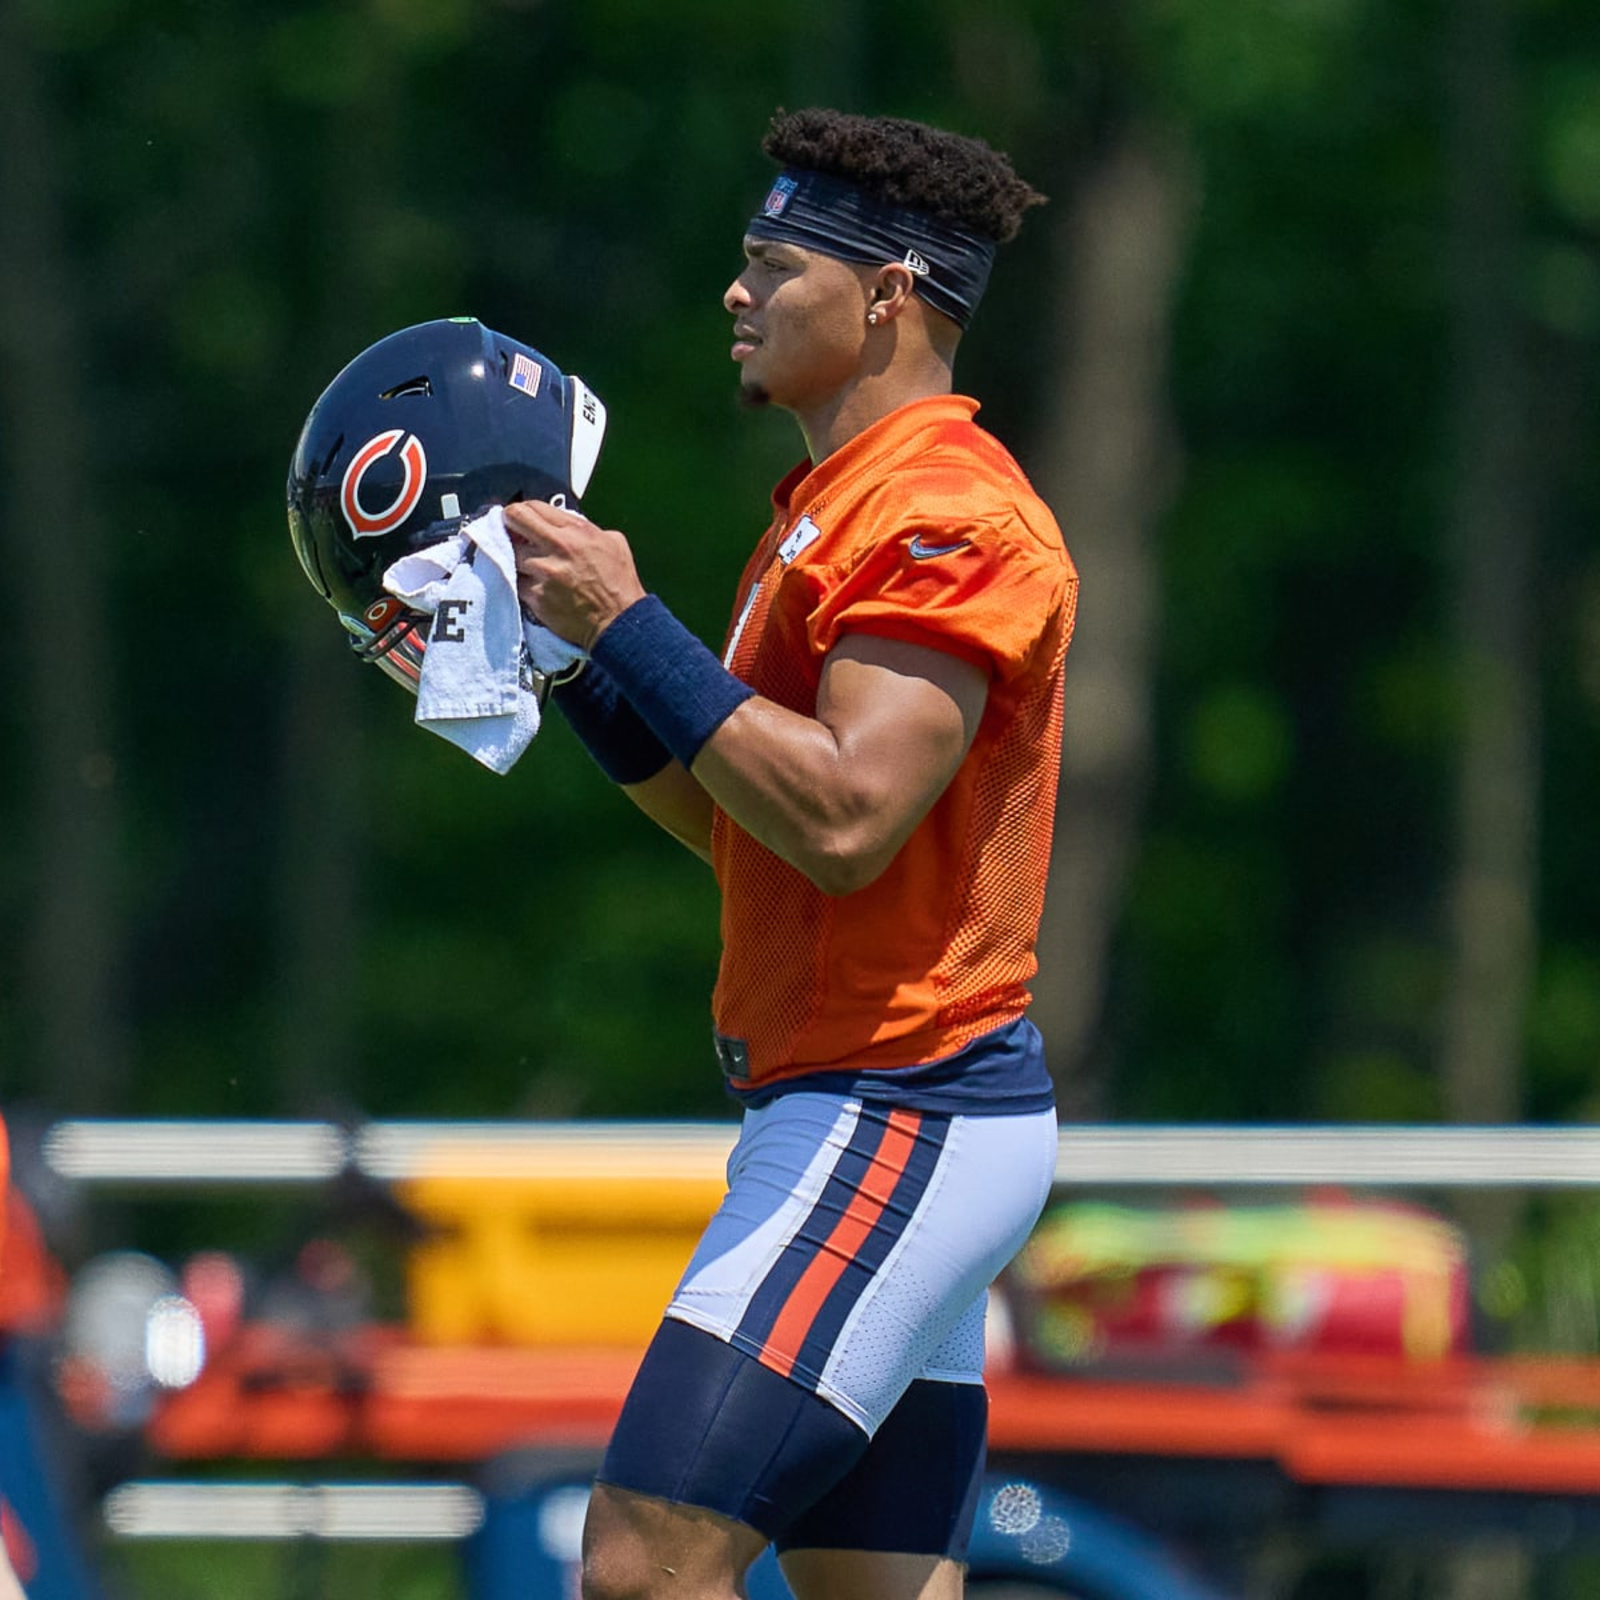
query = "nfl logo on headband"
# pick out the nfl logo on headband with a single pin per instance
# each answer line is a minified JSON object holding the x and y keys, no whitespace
{"x":777,"y":200}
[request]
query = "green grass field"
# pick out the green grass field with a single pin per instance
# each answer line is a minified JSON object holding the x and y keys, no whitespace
{"x":230,"y":1570}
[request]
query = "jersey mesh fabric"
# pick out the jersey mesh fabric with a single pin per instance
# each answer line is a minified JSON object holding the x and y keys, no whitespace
{"x":921,"y":529}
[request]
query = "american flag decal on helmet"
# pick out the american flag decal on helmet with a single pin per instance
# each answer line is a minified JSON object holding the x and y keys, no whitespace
{"x":525,"y":374}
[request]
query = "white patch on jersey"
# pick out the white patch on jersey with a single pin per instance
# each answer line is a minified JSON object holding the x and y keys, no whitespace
{"x":805,"y":532}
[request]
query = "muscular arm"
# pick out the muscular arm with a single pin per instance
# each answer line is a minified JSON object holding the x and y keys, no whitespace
{"x":835,"y":794}
{"x":838,"y":794}
{"x":677,"y":802}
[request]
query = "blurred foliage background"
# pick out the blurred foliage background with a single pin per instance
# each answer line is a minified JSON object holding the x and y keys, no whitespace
{"x":1302,"y":351}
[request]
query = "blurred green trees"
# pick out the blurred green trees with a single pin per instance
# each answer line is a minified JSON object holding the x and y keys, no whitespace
{"x":236,"y":880}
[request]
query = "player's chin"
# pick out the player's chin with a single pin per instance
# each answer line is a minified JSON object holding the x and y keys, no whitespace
{"x":754,"y":396}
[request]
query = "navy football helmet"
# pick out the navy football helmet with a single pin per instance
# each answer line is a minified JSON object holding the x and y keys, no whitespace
{"x":420,"y":433}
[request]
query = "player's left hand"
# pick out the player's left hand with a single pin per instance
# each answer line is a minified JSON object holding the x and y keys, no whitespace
{"x":572,"y":575}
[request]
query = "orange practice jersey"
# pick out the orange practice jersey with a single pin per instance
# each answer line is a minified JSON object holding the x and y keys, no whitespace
{"x":921,"y":529}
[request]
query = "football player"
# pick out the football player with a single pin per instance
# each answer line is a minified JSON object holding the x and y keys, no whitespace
{"x":870,"y":768}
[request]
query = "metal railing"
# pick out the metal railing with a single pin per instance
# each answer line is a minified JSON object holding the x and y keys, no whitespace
{"x":158,"y":1153}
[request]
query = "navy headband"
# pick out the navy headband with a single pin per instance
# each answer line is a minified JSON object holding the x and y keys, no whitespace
{"x":818,"y":212}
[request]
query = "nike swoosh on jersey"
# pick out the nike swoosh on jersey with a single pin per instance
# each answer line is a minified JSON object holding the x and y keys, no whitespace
{"x":926,"y":552}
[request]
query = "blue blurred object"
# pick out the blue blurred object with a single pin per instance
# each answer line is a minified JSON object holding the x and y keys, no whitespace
{"x":1028,"y":1532}
{"x":34,"y":1482}
{"x":1026,"y":1535}
{"x":530,"y":1541}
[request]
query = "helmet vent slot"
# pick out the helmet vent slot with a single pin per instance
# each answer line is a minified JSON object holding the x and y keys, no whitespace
{"x":420,"y":385}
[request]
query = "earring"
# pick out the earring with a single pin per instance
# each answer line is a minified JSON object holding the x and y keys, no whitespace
{"x":872,"y":319}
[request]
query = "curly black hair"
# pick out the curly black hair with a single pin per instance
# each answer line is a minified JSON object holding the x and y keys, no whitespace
{"x":948,"y":175}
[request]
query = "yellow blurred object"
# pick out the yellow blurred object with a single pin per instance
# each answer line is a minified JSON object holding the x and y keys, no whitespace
{"x":586,"y":1249}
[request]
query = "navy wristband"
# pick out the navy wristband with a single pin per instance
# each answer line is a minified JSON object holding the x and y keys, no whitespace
{"x":677,"y":685}
{"x":608,"y":727}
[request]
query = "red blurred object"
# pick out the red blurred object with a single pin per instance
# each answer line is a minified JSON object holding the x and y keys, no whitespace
{"x":33,"y":1287}
{"x":1462,"y":1423}
{"x":1458,"y":1423}
{"x":273,"y":1393}
{"x":1330,"y":1274}
{"x":213,"y":1284}
{"x":19,"y":1549}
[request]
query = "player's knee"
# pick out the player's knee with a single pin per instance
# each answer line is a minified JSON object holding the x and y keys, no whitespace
{"x":624,"y":1573}
{"x":617,"y":1557}
{"x":622,"y":1569}
{"x":611,"y":1575}
{"x":638,"y":1548}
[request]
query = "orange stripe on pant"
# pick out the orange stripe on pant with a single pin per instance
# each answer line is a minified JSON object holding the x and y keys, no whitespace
{"x":860,"y":1217}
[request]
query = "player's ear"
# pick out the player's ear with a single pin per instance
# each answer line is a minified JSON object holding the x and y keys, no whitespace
{"x":892,"y":285}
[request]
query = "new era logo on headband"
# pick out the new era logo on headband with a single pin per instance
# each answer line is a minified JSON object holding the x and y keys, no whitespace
{"x":778,"y":198}
{"x":914,"y":263}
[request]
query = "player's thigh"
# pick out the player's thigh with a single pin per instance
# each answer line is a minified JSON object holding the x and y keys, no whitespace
{"x":920,"y":1314}
{"x":707,"y":1425}
{"x":856,"y":1240}
{"x":872,"y":1575}
{"x":914,"y":1491}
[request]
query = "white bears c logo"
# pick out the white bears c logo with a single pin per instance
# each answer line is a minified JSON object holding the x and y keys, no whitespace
{"x":374,"y":524}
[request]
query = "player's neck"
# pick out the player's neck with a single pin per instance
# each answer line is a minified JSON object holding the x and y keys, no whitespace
{"x":867,"y":399}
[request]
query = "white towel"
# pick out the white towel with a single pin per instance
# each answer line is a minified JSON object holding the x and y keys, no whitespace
{"x":477,"y":687}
